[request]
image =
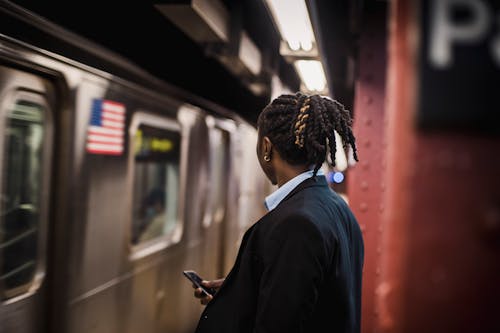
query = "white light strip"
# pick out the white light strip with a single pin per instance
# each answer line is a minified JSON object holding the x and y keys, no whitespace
{"x":312,"y":74}
{"x":293,"y":21}
{"x":340,"y":155}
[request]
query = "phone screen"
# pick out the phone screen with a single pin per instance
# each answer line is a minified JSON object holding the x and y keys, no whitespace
{"x":196,"y":279}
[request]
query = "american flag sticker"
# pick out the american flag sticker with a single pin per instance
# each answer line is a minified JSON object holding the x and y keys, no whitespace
{"x":105,"y":134}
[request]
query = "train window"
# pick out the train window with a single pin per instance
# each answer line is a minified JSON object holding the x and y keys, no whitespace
{"x":156,"y":151}
{"x":219,"y":169}
{"x":22,"y":192}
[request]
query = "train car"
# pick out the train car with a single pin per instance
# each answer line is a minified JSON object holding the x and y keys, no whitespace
{"x":112,"y":183}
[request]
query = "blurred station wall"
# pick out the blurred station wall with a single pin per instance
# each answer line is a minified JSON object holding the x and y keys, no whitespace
{"x":427,"y":188}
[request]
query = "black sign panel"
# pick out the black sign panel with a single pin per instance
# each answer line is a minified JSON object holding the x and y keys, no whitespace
{"x":459,"y":69}
{"x":154,"y":144}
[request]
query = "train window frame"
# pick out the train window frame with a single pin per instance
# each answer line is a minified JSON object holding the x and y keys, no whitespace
{"x":10,"y":99}
{"x":215,"y":210}
{"x":156,"y":244}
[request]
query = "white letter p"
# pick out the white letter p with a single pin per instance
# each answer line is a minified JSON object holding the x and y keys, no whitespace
{"x":444,"y":32}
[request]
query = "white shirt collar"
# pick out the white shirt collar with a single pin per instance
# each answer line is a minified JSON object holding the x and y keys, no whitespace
{"x":277,"y":196}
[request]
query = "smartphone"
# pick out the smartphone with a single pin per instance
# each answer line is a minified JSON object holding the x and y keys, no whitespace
{"x":196,"y":279}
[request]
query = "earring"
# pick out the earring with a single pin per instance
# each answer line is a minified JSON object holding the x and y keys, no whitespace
{"x":267,"y":158}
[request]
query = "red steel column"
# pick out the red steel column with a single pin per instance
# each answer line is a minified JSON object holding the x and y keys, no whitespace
{"x":365,"y":180}
{"x":441,"y":223}
{"x":390,"y":293}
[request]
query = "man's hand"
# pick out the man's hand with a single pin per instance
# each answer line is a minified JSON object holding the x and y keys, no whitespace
{"x":205,"y":299}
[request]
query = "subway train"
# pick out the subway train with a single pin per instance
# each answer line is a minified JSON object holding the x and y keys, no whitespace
{"x":111,"y":186}
{"x":90,"y":243}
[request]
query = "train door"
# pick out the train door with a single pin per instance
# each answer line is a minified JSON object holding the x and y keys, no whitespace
{"x":247,"y":187}
{"x":245,"y":195}
{"x":26,"y":147}
{"x":214,"y":219}
{"x":158,"y":163}
{"x":252,"y":181}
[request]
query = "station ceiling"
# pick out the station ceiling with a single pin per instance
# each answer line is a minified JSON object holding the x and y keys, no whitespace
{"x":139,"y":32}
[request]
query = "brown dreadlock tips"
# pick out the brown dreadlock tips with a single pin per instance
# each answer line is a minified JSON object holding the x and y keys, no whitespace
{"x":299,"y":142}
{"x":300,"y":124}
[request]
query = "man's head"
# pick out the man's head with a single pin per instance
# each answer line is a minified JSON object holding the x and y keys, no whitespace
{"x":300,"y":128}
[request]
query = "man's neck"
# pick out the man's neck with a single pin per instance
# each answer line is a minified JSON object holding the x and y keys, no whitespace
{"x":289,"y":172}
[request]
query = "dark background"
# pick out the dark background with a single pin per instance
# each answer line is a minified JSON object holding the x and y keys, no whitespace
{"x":137,"y":31}
{"x":465,"y":96}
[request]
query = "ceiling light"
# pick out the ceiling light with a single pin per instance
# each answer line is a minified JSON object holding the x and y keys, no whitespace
{"x":293,"y":22}
{"x":312,"y":74}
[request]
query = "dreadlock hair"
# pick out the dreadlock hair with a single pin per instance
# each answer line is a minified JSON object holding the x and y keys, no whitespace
{"x":302,"y":127}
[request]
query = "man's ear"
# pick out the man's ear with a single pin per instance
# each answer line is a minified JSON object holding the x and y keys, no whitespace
{"x":268,"y":147}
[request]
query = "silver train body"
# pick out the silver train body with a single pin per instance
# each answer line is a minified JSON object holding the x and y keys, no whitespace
{"x":73,"y":203}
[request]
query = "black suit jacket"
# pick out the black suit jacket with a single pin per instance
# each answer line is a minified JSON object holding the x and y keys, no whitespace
{"x":298,"y":269}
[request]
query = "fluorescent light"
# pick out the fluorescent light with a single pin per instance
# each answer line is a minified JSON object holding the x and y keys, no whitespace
{"x":293,"y":21}
{"x":312,"y":74}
